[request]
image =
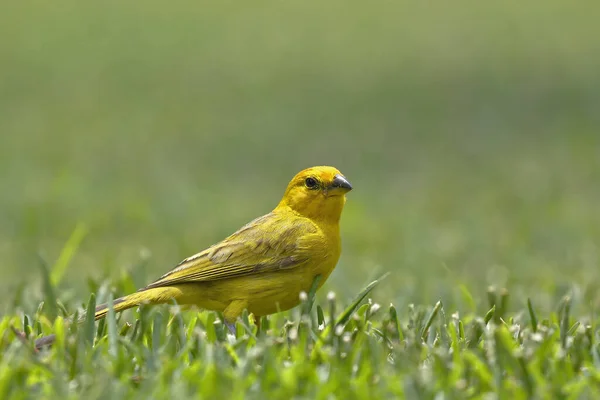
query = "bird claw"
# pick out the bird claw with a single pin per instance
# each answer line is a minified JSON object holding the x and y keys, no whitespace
{"x":231,"y":327}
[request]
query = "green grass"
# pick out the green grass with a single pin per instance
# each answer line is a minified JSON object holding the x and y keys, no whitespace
{"x":322,"y":351}
{"x":134,"y":135}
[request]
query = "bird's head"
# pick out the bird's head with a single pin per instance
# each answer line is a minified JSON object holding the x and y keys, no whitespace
{"x":318,"y":193}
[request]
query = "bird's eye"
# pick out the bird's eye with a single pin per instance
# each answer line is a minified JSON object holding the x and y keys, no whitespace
{"x":311,"y":183}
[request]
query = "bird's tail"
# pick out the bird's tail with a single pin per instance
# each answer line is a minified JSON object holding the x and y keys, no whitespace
{"x":157,"y":295}
{"x":144,"y":296}
{"x":120,"y":304}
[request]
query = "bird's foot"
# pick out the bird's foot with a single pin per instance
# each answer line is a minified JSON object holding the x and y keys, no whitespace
{"x":231,"y":327}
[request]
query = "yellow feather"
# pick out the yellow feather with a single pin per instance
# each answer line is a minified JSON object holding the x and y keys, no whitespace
{"x":265,"y":265}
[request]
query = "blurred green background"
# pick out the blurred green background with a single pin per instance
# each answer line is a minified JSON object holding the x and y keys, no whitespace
{"x":470,"y":131}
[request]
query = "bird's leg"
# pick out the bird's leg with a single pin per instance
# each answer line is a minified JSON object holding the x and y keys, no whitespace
{"x":231,"y":327}
{"x":257,"y":323}
{"x":232,"y":312}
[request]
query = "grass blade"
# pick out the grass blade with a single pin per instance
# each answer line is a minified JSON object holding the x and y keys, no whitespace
{"x":67,"y":253}
{"x":489,"y":315}
{"x":111,"y":322}
{"x":310,"y":300}
{"x":320,"y":318}
{"x":430,"y":319}
{"x":532,"y":316}
{"x":564,"y":321}
{"x":345,"y":315}
{"x":48,"y":289}
{"x":89,"y":331}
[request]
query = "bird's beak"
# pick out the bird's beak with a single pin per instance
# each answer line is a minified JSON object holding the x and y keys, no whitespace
{"x":339,"y":185}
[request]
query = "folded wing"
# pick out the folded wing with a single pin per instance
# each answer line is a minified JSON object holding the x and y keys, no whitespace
{"x":269,"y":243}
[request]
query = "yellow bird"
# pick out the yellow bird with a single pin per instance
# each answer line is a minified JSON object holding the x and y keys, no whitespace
{"x":265,"y":265}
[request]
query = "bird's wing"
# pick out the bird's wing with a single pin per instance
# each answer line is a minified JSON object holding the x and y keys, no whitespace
{"x":269,"y":243}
